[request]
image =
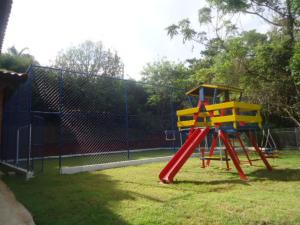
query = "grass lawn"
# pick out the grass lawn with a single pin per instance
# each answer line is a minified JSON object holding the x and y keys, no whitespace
{"x":98,"y":159}
{"x":133,"y":195}
{"x":115,"y":157}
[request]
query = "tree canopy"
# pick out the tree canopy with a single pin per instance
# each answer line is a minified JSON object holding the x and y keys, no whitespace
{"x":90,"y":58}
{"x":266,"y":65}
{"x":16,"y":60}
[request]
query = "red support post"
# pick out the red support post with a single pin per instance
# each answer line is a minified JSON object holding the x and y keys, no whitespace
{"x":227,"y":161}
{"x":243,"y":147}
{"x":232,"y":154}
{"x":233,"y":148}
{"x":212,"y":148}
{"x":257,"y":149}
{"x":195,"y":118}
{"x":202,"y":155}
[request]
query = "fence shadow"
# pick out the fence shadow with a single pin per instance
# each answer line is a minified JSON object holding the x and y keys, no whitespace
{"x":276,"y":174}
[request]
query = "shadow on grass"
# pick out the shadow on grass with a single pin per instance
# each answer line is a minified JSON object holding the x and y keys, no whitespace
{"x":82,"y":199}
{"x":277,"y":174}
{"x":214,"y":182}
{"x":146,"y":197}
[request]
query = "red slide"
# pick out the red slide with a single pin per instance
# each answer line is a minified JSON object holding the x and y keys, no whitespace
{"x":186,"y":150}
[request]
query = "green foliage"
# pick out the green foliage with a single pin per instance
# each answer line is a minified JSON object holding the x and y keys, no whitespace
{"x":295,"y":4}
{"x":169,"y":79}
{"x":16,"y":61}
{"x":257,"y":62}
{"x":184,"y":27}
{"x":231,"y":6}
{"x":223,"y":29}
{"x":166,"y":73}
{"x":295,"y":63}
{"x":165,"y":84}
{"x":204,"y":15}
{"x":266,"y":65}
{"x":90,"y":58}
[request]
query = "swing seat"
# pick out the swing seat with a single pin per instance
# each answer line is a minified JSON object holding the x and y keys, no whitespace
{"x":170,"y":135}
{"x":215,"y":158}
{"x":255,"y":159}
{"x":267,"y":150}
{"x":270,"y":153}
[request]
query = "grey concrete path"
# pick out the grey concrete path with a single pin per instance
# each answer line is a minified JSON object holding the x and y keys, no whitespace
{"x":11,"y":211}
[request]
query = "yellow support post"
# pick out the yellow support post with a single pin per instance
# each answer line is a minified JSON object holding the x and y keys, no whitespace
{"x":234,"y":116}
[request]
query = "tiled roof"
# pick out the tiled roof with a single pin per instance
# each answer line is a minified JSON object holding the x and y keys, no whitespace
{"x":5,"y":8}
{"x":10,"y":78}
{"x":220,"y":87}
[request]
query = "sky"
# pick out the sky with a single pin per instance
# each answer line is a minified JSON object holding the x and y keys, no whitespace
{"x":133,"y":28}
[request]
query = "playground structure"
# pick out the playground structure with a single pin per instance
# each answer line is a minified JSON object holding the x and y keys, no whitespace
{"x":73,"y":118}
{"x":219,"y":116}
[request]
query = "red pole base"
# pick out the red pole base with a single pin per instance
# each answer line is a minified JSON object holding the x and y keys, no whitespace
{"x":202,"y":155}
{"x":243,"y":147}
{"x":257,"y":149}
{"x":232,"y":154}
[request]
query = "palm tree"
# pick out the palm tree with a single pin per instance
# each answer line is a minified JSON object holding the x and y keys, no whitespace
{"x":14,"y":52}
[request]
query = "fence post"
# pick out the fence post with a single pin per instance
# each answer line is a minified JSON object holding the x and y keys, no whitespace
{"x":61,"y":87}
{"x":172,"y":117}
{"x":18,"y":147}
{"x":297,"y":135}
{"x":30,"y":148}
{"x":30,"y":85}
{"x":126,"y":118}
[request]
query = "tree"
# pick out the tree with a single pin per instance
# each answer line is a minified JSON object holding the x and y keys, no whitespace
{"x":267,"y":63}
{"x":165,"y":78}
{"x":13,"y":51}
{"x":166,"y":73}
{"x":165,"y":85}
{"x":283,"y":14}
{"x":90,"y":58}
{"x":17,"y":61}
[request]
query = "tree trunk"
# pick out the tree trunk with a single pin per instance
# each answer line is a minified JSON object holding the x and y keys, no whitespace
{"x":291,"y":116}
{"x":290,"y":23}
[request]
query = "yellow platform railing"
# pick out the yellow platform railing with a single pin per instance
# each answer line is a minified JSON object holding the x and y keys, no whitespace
{"x":235,"y":112}
{"x":189,"y":120}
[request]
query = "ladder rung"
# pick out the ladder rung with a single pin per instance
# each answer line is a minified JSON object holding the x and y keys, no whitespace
{"x":271,"y":156}
{"x":214,"y":158}
{"x":245,"y":161}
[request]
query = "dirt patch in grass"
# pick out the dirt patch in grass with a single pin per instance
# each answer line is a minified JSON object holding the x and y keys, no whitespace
{"x":11,"y":211}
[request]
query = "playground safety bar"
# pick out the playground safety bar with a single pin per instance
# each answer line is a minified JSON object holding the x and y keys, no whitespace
{"x":236,"y":111}
{"x":190,"y":112}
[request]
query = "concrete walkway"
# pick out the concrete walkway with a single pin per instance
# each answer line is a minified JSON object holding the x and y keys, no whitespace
{"x":11,"y":211}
